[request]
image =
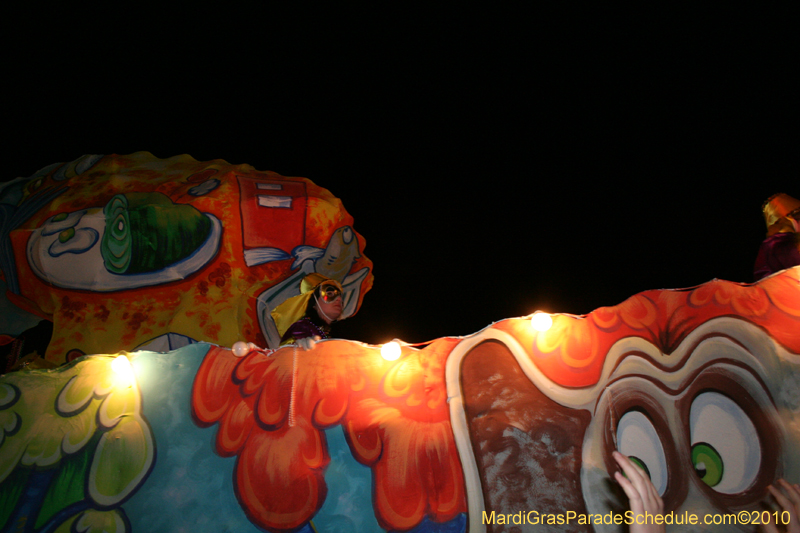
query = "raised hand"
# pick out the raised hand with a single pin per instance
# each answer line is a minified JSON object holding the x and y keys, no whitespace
{"x":788,"y":497}
{"x":641,"y":493}
{"x":307,"y":343}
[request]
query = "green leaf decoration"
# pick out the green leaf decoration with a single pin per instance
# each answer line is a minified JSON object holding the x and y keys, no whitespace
{"x":68,"y":486}
{"x":122,"y":459}
{"x":84,"y":422}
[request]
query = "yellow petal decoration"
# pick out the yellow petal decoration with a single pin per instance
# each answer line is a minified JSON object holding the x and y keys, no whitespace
{"x":101,"y":522}
{"x":48,"y":415}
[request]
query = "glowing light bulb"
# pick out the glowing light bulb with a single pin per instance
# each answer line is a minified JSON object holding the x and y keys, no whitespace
{"x":541,"y":321}
{"x":391,"y":351}
{"x":123,"y":369}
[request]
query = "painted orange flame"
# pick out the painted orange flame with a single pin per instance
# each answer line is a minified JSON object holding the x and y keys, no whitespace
{"x":394,"y":415}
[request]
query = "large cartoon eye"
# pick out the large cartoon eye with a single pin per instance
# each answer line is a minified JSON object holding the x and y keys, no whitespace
{"x":726,"y":453}
{"x":637,"y":438}
{"x":347,"y":235}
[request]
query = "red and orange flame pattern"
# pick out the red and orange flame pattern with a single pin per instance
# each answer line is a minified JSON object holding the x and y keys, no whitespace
{"x":394,"y":415}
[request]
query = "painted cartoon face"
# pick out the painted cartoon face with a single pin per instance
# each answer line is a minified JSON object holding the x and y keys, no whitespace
{"x":710,"y":428}
{"x":701,"y":388}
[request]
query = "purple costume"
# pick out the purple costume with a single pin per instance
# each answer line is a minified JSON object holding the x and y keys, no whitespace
{"x":776,"y":253}
{"x":301,"y":329}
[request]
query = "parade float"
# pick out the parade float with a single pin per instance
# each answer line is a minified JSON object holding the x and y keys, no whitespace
{"x":150,"y":270}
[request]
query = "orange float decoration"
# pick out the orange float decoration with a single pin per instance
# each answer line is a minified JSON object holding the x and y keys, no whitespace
{"x":121,"y":252}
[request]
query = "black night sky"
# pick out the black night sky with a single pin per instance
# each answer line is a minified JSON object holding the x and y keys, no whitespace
{"x":497,"y":161}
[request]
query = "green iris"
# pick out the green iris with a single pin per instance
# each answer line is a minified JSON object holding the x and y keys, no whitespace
{"x":59,"y":217}
{"x":707,"y":463}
